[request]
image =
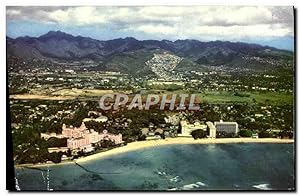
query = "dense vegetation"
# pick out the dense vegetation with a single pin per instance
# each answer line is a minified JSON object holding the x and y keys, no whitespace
{"x":245,"y":133}
{"x":198,"y":134}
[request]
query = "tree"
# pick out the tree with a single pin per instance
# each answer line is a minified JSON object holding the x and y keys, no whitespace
{"x":286,"y":134}
{"x":107,"y":143}
{"x":69,"y":153}
{"x":265,"y":134}
{"x":56,"y":142}
{"x":55,"y":157}
{"x":142,"y":137}
{"x":198,"y":134}
{"x":95,"y":125}
{"x":245,"y":133}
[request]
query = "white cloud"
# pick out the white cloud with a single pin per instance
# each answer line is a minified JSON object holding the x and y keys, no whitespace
{"x":262,"y":30}
{"x":77,"y":16}
{"x":154,"y":29}
{"x":13,"y":12}
{"x":188,"y":22}
{"x":59,"y":16}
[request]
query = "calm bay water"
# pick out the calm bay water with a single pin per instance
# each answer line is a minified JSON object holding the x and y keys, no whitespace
{"x":175,"y":167}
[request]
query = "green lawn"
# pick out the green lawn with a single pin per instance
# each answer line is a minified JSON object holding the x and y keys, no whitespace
{"x":275,"y":98}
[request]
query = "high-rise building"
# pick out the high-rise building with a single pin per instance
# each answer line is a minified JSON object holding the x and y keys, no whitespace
{"x":227,"y":127}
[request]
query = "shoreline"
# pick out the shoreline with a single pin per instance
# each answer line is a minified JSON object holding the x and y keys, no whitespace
{"x":140,"y":145}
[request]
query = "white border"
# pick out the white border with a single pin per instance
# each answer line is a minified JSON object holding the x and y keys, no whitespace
{"x":152,"y":2}
{"x":111,"y":2}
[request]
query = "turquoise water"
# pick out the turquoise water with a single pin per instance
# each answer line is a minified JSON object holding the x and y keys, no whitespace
{"x":176,"y":167}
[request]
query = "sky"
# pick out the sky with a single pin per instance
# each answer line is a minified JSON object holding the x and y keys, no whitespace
{"x":273,"y":26}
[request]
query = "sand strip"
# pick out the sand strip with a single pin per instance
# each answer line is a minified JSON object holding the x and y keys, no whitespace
{"x":141,"y":145}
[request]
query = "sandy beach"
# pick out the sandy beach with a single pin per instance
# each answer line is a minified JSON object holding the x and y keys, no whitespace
{"x":140,"y":145}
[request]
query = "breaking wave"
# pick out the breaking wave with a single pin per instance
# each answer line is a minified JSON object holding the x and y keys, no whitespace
{"x":262,"y":186}
{"x":189,"y":186}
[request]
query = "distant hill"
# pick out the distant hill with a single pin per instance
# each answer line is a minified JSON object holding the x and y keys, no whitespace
{"x":130,"y":54}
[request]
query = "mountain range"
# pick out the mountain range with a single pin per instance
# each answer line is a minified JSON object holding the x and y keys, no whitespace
{"x":129,"y":54}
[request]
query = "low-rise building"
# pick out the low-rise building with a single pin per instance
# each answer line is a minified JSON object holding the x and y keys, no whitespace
{"x":58,"y":149}
{"x":105,"y":135}
{"x":187,"y":129}
{"x":100,"y":119}
{"x":47,"y":136}
{"x":153,"y":137}
{"x":255,"y":135}
{"x":211,"y":128}
{"x":145,"y":131}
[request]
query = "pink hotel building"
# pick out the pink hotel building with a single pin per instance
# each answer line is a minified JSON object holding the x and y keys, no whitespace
{"x":81,"y":137}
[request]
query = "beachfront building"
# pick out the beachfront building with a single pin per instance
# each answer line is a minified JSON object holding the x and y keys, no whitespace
{"x":227,"y":127}
{"x":100,"y":119}
{"x":105,"y":135}
{"x":86,"y":141}
{"x":78,"y":143}
{"x":186,"y":128}
{"x":255,"y":135}
{"x":172,"y":119}
{"x":74,"y":132}
{"x":83,"y":138}
{"x":211,"y":128}
{"x":145,"y":131}
{"x":152,"y":136}
{"x":47,"y":136}
{"x":159,"y":131}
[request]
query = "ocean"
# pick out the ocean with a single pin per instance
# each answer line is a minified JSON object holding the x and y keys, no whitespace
{"x":188,"y":167}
